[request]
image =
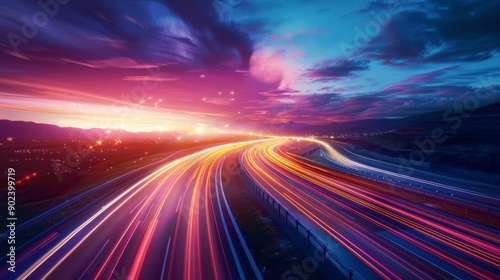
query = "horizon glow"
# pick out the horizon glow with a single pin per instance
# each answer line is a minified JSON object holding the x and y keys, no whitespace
{"x":242,"y":65}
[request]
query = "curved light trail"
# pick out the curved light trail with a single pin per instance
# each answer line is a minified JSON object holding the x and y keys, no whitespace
{"x":388,"y":236}
{"x":171,"y":224}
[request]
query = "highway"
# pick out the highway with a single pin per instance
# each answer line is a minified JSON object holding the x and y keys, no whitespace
{"x":377,"y":233}
{"x":172,"y":224}
{"x":485,"y":199}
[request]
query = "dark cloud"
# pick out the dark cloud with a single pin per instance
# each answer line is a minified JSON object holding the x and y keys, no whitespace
{"x":188,"y":31}
{"x":108,"y":47}
{"x":279,"y":92}
{"x":440,"y":31}
{"x":391,"y":6}
{"x":417,"y":94}
{"x":339,"y":69}
{"x":204,"y":17}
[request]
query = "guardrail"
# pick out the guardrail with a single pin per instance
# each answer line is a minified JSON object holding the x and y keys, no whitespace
{"x":308,"y":151}
{"x":299,"y":229}
{"x":490,"y":214}
{"x":396,"y":163}
{"x":241,"y":239}
{"x":56,"y":215}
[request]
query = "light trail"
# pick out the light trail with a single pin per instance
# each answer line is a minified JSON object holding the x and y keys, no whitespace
{"x":177,"y":211}
{"x":173,"y":210}
{"x":335,"y":156}
{"x":323,"y":197}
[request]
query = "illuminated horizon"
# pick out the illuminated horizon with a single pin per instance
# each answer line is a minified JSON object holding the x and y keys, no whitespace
{"x":156,"y":66}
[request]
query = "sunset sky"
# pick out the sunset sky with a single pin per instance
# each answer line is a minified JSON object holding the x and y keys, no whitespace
{"x":241,"y":64}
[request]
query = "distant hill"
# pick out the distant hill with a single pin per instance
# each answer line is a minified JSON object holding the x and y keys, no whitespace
{"x":358,"y":126}
{"x":480,"y":121}
{"x":484,"y":121}
{"x":28,"y":131}
{"x":470,"y":147}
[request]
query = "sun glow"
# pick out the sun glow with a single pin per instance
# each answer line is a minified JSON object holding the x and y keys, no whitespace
{"x":200,"y":130}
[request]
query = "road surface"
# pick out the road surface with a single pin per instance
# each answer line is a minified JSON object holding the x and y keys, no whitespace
{"x":378,"y":234}
{"x":172,"y":224}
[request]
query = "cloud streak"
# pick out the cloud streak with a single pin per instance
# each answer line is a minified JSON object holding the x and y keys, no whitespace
{"x":280,"y":68}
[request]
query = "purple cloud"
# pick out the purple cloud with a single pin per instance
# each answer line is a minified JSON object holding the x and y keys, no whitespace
{"x":339,"y":69}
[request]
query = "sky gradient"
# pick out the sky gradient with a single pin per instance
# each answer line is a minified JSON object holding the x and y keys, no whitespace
{"x":234,"y":65}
